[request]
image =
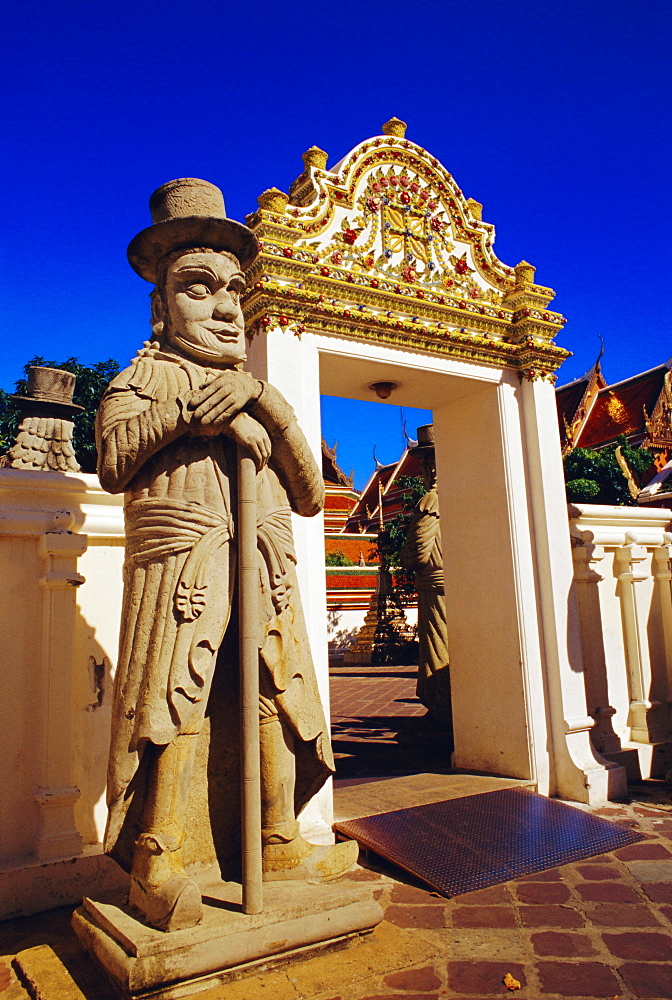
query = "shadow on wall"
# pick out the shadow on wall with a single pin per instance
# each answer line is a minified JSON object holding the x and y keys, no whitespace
{"x":93,"y":689}
{"x":56,"y":674}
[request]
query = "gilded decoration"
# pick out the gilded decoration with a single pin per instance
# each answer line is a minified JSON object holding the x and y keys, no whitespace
{"x":659,"y":424}
{"x":396,"y":127}
{"x":385,"y":247}
{"x":615,"y":409}
{"x":315,"y":157}
{"x":536,"y":374}
{"x":273,"y":200}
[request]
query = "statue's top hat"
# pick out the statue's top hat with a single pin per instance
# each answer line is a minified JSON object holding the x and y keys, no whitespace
{"x":425,"y":436}
{"x":189,"y":212}
{"x":51,"y":386}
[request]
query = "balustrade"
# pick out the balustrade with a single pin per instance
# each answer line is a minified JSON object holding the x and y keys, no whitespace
{"x":622,"y":577}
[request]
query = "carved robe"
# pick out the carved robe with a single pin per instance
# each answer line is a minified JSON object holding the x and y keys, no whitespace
{"x":421,"y":553}
{"x":179,"y":571}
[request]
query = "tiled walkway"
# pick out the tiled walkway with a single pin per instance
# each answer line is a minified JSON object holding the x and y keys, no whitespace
{"x":596,"y":928}
{"x":361,"y":691}
{"x":377,"y":723}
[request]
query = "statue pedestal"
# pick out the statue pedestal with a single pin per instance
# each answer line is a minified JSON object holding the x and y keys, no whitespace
{"x":297,"y":919}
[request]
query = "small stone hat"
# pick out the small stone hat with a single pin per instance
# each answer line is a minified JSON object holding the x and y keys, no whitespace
{"x":53,"y":386}
{"x":189,"y":212}
{"x":425,"y":436}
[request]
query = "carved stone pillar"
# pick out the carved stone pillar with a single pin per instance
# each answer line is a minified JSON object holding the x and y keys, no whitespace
{"x":56,"y":795}
{"x":630,"y":565}
{"x":662,"y":576}
{"x":587,"y":576}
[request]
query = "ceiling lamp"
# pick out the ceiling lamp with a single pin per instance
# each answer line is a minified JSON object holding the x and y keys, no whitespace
{"x":383,"y":389}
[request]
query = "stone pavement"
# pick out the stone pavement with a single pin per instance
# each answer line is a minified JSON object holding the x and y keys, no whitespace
{"x":377,"y":723}
{"x":369,"y":692}
{"x":596,"y":928}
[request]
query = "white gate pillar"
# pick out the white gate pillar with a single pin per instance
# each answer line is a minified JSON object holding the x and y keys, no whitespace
{"x":291,"y":364}
{"x":515,"y":661}
{"x":578,"y":771}
{"x":490,"y":598}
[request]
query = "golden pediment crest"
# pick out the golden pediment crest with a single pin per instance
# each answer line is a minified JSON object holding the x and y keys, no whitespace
{"x":385,"y":243}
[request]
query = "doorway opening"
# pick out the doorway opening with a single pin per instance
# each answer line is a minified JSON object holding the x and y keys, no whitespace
{"x":387,"y":749}
{"x":380,"y":725}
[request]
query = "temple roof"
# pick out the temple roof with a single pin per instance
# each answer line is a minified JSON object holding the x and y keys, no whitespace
{"x":568,"y":397}
{"x":385,"y":478}
{"x":623,"y":408}
{"x":332,"y":473}
{"x":574,"y":402}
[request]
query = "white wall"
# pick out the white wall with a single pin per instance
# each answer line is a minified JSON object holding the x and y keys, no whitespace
{"x":61,"y":551}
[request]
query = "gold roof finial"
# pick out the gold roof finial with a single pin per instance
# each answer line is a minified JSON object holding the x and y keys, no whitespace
{"x":524,"y":274}
{"x":476,"y":208}
{"x":395,"y":127}
{"x":273,"y":200}
{"x":315,"y":157}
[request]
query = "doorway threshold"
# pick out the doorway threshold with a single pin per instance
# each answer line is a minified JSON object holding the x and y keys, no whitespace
{"x":356,"y":798}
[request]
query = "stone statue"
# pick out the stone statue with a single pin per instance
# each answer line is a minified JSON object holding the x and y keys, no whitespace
{"x":421,"y":554}
{"x":44,"y":438}
{"x":167,"y":431}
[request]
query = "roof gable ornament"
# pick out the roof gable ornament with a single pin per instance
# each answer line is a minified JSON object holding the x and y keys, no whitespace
{"x":385,"y":246}
{"x":659,"y":424}
{"x":575,"y":419}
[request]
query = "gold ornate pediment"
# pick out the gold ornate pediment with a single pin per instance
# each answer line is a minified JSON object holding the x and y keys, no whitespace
{"x":659,"y":424}
{"x":385,"y":246}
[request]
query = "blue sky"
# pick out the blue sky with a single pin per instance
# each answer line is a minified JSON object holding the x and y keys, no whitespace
{"x":555,"y":115}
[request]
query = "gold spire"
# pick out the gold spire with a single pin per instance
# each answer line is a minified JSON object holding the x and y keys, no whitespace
{"x":524,"y":274}
{"x":315,"y":157}
{"x":273,"y":200}
{"x":395,"y":127}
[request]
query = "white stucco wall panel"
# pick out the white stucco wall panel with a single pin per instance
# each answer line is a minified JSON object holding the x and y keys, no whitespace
{"x":29,"y":502}
{"x":20,"y":625}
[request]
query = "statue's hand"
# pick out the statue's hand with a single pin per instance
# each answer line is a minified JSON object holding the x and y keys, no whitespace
{"x":215,"y":404}
{"x":249,"y":433}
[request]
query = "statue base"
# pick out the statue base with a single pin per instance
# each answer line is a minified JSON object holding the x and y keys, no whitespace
{"x":297,"y":919}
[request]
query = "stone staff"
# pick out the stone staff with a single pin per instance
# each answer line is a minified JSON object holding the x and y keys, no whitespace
{"x":248,"y":583}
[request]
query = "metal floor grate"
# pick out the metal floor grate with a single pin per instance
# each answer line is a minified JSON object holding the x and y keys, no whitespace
{"x":469,"y":843}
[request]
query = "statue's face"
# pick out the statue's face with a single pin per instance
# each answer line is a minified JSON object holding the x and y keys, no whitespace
{"x":205,"y":320}
{"x":428,"y":466}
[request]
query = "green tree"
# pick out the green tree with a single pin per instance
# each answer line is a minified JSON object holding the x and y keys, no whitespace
{"x":596,"y":476}
{"x":338,"y":558}
{"x":91,"y":383}
{"x":392,"y":538}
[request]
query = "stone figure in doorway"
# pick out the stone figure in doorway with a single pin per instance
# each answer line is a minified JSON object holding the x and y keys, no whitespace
{"x":167,"y":431}
{"x":421,"y":555}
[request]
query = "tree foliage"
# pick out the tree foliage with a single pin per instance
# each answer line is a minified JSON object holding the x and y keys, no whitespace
{"x":338,"y":558}
{"x":392,"y":538}
{"x":91,"y":383}
{"x":596,"y":477}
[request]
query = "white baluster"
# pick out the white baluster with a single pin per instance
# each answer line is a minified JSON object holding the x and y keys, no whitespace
{"x":663,"y":576}
{"x":587,"y":575}
{"x":56,"y":795}
{"x":631,"y":569}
